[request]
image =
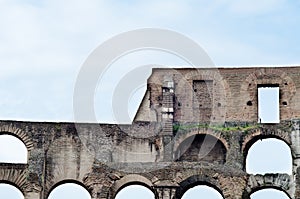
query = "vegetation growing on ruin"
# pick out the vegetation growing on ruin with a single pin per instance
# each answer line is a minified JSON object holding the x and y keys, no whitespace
{"x":224,"y":128}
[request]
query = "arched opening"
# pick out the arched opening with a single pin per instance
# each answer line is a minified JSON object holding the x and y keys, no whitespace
{"x":268,"y":155}
{"x":12,"y":150}
{"x":135,"y":191}
{"x":69,"y":190}
{"x":10,"y":191}
{"x":269,"y":193}
{"x":201,"y":147}
{"x":199,"y":186}
{"x":202,"y":191}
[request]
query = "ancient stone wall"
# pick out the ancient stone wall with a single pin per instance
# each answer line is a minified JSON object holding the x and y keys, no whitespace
{"x":194,"y":127}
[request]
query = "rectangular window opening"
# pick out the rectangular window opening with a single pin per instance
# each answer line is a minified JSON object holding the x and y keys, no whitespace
{"x":268,"y":103}
{"x":202,"y":99}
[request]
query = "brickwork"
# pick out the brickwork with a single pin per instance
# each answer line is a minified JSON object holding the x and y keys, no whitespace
{"x":202,"y":100}
{"x":193,"y":127}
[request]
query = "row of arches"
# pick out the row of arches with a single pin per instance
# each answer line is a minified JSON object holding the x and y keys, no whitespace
{"x":136,"y":191}
{"x":262,"y":154}
{"x":265,"y":155}
{"x":64,"y":190}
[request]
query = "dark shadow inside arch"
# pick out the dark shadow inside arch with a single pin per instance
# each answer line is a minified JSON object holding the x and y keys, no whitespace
{"x":68,"y":182}
{"x":194,"y":181}
{"x":201,"y":147}
{"x":248,"y":195}
{"x":5,"y":182}
{"x":250,"y":143}
{"x":136,"y":183}
{"x":15,"y":157}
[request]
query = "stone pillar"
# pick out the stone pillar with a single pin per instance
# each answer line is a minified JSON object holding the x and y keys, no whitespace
{"x":168,"y":148}
{"x":295,"y":139}
{"x":234,"y":155}
{"x":166,"y":192}
{"x":167,"y":114}
{"x":32,"y":191}
{"x":233,"y":186}
{"x":94,"y":194}
{"x":32,"y":195}
{"x":95,"y":190}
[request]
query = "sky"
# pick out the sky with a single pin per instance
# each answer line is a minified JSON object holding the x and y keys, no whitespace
{"x":268,"y":108}
{"x":44,"y":44}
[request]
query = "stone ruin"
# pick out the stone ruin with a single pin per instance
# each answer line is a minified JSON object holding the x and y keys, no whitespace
{"x":193,"y":127}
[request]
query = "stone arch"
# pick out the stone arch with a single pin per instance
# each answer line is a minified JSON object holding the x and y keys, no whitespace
{"x":248,"y":91}
{"x":131,"y":179}
{"x":252,"y":138}
{"x":181,"y":136}
{"x":19,"y":133}
{"x":188,"y":138}
{"x":195,"y":180}
{"x":220,"y":93}
{"x":47,"y":194}
{"x":281,"y":182}
{"x":203,"y":191}
{"x":13,"y":185}
{"x":271,"y":187}
{"x":14,"y":176}
{"x":63,"y":151}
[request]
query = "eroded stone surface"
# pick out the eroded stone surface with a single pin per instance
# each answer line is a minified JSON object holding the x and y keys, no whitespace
{"x":218,"y":107}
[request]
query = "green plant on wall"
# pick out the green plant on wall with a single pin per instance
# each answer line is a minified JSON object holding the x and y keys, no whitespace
{"x":247,"y":127}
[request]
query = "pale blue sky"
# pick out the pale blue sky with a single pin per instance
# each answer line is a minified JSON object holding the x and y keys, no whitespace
{"x":268,"y":104}
{"x":44,"y":44}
